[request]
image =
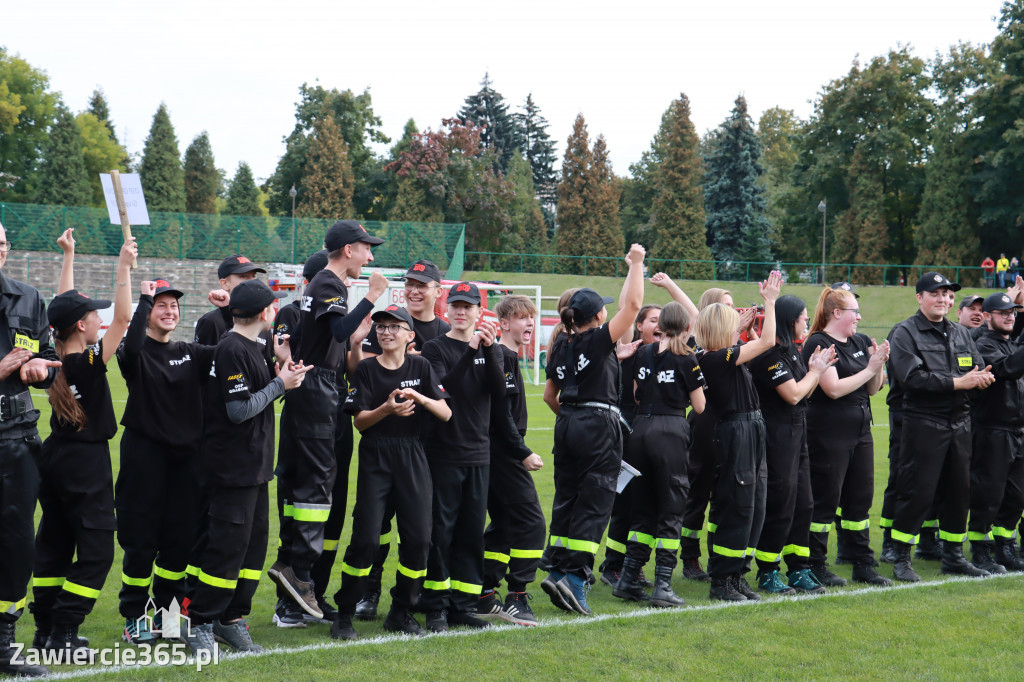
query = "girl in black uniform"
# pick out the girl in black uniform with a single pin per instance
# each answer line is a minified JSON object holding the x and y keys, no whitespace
{"x":738,"y":499}
{"x":588,"y":438}
{"x":783,"y":383}
{"x":839,"y":435}
{"x":667,"y":381}
{"x":75,"y":541}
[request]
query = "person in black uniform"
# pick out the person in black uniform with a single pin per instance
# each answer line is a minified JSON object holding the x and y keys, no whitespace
{"x":310,"y":414}
{"x":469,"y":364}
{"x":422,"y":289}
{"x":842,"y":451}
{"x":997,"y":462}
{"x":667,"y":381}
{"x":936,"y":363}
{"x":232,"y":271}
{"x":75,"y":541}
{"x":783,"y":382}
{"x":583,"y":389}
{"x":390,"y":398}
{"x":26,"y":359}
{"x":239,"y":430}
{"x":156,"y":492}
{"x":514,"y":540}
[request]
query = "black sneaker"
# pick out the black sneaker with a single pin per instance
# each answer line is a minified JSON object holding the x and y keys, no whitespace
{"x":827,"y":577}
{"x":329,"y":612}
{"x":342,"y":628}
{"x":287,"y":614}
{"x":437,"y":621}
{"x":610,"y":577}
{"x":692,"y":570}
{"x":491,"y":608}
{"x":200,"y":638}
{"x":400,"y":620}
{"x":518,"y":608}
{"x":467,"y":619}
{"x":866,"y":573}
{"x":550,"y":587}
{"x":235,"y":635}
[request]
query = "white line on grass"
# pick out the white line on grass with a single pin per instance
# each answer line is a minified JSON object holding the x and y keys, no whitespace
{"x":555,"y":623}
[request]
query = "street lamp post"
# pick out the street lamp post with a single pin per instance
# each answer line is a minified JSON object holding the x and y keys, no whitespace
{"x":292,"y":193}
{"x":823,"y":207}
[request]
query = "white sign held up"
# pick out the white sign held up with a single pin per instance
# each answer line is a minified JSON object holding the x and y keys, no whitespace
{"x":134,"y":200}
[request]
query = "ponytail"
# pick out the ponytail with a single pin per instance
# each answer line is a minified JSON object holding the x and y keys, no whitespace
{"x":830,"y":300}
{"x":66,"y":408}
{"x":568,"y":316}
{"x":673,"y":322}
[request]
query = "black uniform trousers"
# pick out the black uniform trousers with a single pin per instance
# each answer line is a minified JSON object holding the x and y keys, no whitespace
{"x":789,"y":502}
{"x":997,"y":478}
{"x":622,"y":515}
{"x":935,"y":460}
{"x":75,"y":541}
{"x":156,"y":498}
{"x":389,"y":469}
{"x":308,"y":469}
{"x":514,"y":539}
{"x":701,"y":473}
{"x":657,"y":448}
{"x":588,"y":456}
{"x":889,"y":496}
{"x":738,"y":501}
{"x":229,"y":571}
{"x":19,"y":488}
{"x":842,"y":457}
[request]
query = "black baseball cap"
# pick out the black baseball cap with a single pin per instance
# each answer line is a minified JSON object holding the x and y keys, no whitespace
{"x":314,"y":264}
{"x":423,"y":271}
{"x":998,"y":301}
{"x":346,"y":232}
{"x":845,"y":286}
{"x":164,"y":287}
{"x":464,"y":291}
{"x":931,"y":281}
{"x":237,"y":265}
{"x":971,"y":299}
{"x":398,"y":313}
{"x":250,"y":297}
{"x":587,"y":303}
{"x":68,"y":308}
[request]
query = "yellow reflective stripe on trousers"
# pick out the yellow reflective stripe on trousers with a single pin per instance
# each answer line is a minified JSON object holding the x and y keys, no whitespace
{"x":583,"y":546}
{"x":770,"y":557}
{"x":80,"y":590}
{"x":821,"y":527}
{"x":385,"y":538}
{"x":855,"y":525}
{"x":666,"y":543}
{"x":223,"y":583}
{"x":497,"y":556}
{"x":526,"y":553}
{"x":797,"y":550}
{"x":642,"y":538}
{"x":437,"y":584}
{"x":689,"y":533}
{"x":930,"y":523}
{"x":410,"y":573}
{"x":312,"y":513}
{"x":1005,"y":533}
{"x":725,"y":551}
{"x":249,"y":574}
{"x":330,"y":545}
{"x":558,"y":541}
{"x":136,"y":582}
{"x":287,"y":511}
{"x":884,"y":522}
{"x":357,"y":572}
{"x":615,"y":546}
{"x":904,"y":537}
{"x":12,"y":607}
{"x":974,"y":536}
{"x":192,"y":570}
{"x":839,"y":512}
{"x":47,"y":582}
{"x":168,"y":575}
{"x":952,"y":537}
{"x":712,"y":527}
{"x":469,"y":588}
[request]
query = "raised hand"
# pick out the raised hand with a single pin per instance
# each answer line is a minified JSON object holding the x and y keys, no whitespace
{"x":66,"y":241}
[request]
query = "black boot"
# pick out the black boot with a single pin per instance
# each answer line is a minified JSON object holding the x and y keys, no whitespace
{"x":928,"y":546}
{"x":724,"y":589}
{"x":1007,"y":555}
{"x":366,"y":609}
{"x":64,"y":637}
{"x":902,"y":569}
{"x":43,"y":627}
{"x":981,"y":556}
{"x":954,"y":563}
{"x":845,"y":554}
{"x":628,"y":588}
{"x":17,"y":668}
{"x":888,"y":553}
{"x":663,"y":595}
{"x":739,"y":580}
{"x":864,"y":572}
{"x":825,"y":576}
{"x":342,"y":628}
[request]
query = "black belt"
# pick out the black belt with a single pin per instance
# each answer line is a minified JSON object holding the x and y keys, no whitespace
{"x":12,"y":406}
{"x":742,"y":417}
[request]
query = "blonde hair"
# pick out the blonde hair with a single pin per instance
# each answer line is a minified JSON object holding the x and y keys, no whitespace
{"x":673,"y":323}
{"x":712,"y":295}
{"x":716,"y":326}
{"x":515,"y":306}
{"x":830,"y":299}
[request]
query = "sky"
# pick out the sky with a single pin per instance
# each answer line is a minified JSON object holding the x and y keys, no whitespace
{"x":234,"y":68}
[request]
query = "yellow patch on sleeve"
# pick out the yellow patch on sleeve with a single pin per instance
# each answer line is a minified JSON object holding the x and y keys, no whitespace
{"x":22,"y":341}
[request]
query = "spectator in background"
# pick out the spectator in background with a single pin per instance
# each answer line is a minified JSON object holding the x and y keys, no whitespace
{"x":1014,"y":268}
{"x":989,"y":266}
{"x":1002,"y":265}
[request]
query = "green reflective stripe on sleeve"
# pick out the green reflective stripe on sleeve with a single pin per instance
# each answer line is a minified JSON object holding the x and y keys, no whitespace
{"x":249,"y":574}
{"x":797,"y":550}
{"x":410,"y":573}
{"x":330,"y":545}
{"x":468,"y":588}
{"x":526,"y":553}
{"x":287,"y":511}
{"x":437,"y":584}
{"x":856,"y":525}
{"x":770,"y":557}
{"x":136,"y":582}
{"x":80,"y":590}
{"x":385,"y":538}
{"x":667,"y":543}
{"x":168,"y":575}
{"x":952,"y":537}
{"x":930,"y":523}
{"x":192,"y":570}
{"x":821,"y":527}
{"x":642,"y":538}
{"x":312,"y":513}
{"x":583,"y":546}
{"x":712,"y":527}
{"x":496,"y":556}
{"x":903,"y":537}
{"x":725,"y":551}
{"x":357,"y":572}
{"x":884,"y":522}
{"x":558,"y":541}
{"x":1005,"y":533}
{"x":47,"y":582}
{"x":974,"y":536}
{"x":689,"y":533}
{"x":615,"y":546}
{"x":12,"y":607}
{"x":223,"y":583}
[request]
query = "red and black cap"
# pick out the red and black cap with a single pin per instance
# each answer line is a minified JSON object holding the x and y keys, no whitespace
{"x":464,"y":291}
{"x":423,"y":271}
{"x":237,"y":265}
{"x":345,"y":232}
{"x":165,"y":287}
{"x":68,"y":308}
{"x":250,"y":297}
{"x":393,"y":311}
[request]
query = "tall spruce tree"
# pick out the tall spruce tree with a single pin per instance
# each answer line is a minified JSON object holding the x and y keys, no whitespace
{"x":326,"y":190}
{"x":62,"y":175}
{"x":539,"y":149}
{"x":734,"y":201}
{"x":243,"y":196}
{"x":99,"y":108}
{"x":528,"y":233}
{"x":488,"y":110}
{"x":160,"y":171}
{"x":604,"y":204}
{"x":202,"y":179}
{"x":574,"y":218}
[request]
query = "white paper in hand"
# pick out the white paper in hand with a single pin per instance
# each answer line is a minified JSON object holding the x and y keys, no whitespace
{"x":134,"y":201}
{"x":626,"y":474}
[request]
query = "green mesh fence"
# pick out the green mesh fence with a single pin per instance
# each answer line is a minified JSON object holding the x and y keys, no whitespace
{"x":32,"y":227}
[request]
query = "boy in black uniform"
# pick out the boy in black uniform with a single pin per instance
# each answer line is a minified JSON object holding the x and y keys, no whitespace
{"x":390,"y":398}
{"x":232,"y":271}
{"x":308,"y":470}
{"x":470,"y":367}
{"x":239,"y":430}
{"x":514,"y":540}
{"x":422,"y":288}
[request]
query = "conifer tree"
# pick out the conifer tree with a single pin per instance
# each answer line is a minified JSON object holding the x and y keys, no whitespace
{"x":62,"y":175}
{"x":529,"y":233}
{"x":604,"y":204}
{"x":861,"y":234}
{"x":243,"y":197}
{"x":160,"y":171}
{"x":539,"y":149}
{"x":574,"y":217}
{"x":202,"y":180}
{"x":327,"y":186}
{"x":488,"y":110}
{"x":98,"y":107}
